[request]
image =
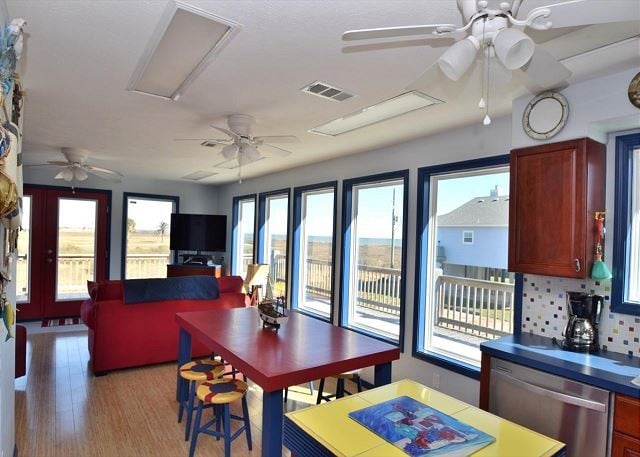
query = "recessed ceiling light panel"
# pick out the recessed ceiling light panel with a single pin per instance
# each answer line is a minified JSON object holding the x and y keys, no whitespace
{"x":184,"y":42}
{"x":388,"y":109}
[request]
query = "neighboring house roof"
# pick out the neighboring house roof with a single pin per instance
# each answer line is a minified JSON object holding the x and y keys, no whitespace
{"x":479,"y":212}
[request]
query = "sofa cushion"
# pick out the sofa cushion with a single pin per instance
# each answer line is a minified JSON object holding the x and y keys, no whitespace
{"x":177,"y":288}
{"x":230,"y":284}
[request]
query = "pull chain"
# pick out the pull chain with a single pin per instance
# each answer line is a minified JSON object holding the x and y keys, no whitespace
{"x":487,"y":119}
{"x":482,"y":103}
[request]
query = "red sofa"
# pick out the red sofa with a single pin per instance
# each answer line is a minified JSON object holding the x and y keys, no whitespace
{"x":130,"y":335}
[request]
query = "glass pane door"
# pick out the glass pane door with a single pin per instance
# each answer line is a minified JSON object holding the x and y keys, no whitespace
{"x":23,"y":267}
{"x":76,"y":253}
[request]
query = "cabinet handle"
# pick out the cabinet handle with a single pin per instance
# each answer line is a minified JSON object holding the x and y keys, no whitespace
{"x":577,"y":262}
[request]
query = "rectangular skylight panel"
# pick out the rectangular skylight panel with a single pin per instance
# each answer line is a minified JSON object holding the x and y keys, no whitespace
{"x":383,"y":111}
{"x":198,"y":175}
{"x":183,"y":44}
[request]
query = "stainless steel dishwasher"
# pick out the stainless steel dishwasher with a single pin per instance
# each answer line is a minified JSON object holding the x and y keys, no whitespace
{"x":576,"y":414}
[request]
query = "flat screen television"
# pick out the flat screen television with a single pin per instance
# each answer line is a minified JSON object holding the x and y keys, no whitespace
{"x":198,"y":232}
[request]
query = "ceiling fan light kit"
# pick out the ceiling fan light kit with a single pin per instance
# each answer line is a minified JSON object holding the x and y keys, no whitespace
{"x":458,"y":58}
{"x":513,"y":47}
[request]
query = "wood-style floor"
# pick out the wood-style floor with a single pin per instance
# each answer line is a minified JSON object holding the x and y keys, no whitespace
{"x":62,"y":410}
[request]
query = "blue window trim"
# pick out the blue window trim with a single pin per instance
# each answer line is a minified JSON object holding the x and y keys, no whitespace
{"x":125,"y":210}
{"x":234,"y":226}
{"x":620,"y":302}
{"x":345,"y":257}
{"x":262,"y":198}
{"x":422,"y":240}
{"x":295,"y":258}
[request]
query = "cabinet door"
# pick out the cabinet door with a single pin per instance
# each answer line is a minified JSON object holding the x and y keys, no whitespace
{"x":625,"y":446}
{"x":547,"y":210}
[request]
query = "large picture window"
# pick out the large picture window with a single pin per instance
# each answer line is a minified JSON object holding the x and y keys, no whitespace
{"x":243,"y":239}
{"x":373,"y":267}
{"x":313,"y":249}
{"x":146,"y":232}
{"x":625,"y":297}
{"x":274,"y":237}
{"x":465,"y":293}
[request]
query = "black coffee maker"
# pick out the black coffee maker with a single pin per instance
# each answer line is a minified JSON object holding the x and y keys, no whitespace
{"x":581,"y":332}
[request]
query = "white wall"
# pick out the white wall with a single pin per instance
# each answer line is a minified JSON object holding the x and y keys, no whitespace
{"x":194,"y":198}
{"x":461,"y":144}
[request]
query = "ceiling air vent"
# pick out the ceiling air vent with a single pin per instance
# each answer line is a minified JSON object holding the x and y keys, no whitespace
{"x":327,"y":91}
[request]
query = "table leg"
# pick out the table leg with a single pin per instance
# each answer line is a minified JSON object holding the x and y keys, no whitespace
{"x":272,"y":423}
{"x":382,"y":374}
{"x":184,"y":355}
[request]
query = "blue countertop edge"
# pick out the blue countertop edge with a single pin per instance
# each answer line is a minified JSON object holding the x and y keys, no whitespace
{"x":608,"y":370}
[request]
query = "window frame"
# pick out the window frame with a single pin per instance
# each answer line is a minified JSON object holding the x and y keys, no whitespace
{"x":235,"y":213}
{"x":620,"y":302}
{"x":472,"y":236}
{"x":297,"y":232}
{"x":262,"y":199}
{"x":422,"y":245}
{"x":346,"y":255}
{"x":125,"y":213}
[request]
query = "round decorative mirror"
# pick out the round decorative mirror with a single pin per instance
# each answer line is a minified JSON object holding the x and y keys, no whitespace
{"x":545,"y":115}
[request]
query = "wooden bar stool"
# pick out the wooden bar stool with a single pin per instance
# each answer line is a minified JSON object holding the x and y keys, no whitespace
{"x":196,"y":372}
{"x":340,"y":390}
{"x":220,"y":393}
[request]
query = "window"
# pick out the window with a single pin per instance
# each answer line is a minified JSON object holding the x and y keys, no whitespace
{"x":146,"y":232}
{"x":243,"y":237}
{"x":273,"y":239}
{"x":465,"y":293}
{"x":313,"y":249}
{"x":625,"y":295}
{"x":374,"y":255}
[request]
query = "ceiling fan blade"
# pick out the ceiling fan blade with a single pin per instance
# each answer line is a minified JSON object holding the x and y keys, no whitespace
{"x":229,"y":151}
{"x":92,"y":169}
{"x":58,"y":163}
{"x":102,"y":175}
{"x":277,"y":139}
{"x":427,"y":77}
{"x":274,"y":151}
{"x":544,"y":71}
{"x":228,"y":132}
{"x":585,"y":12}
{"x":39,"y":165}
{"x":391,"y":32}
{"x":212,"y":140}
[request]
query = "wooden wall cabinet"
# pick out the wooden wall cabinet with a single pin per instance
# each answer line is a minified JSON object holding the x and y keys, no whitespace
{"x":555,"y":191}
{"x":626,"y":427}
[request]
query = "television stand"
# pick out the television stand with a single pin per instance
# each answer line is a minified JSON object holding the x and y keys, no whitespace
{"x":174,"y":270}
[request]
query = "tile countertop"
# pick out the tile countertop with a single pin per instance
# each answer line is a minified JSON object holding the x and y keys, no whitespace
{"x":608,"y":370}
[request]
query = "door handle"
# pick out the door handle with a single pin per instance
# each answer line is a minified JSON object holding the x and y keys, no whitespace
{"x":49,"y":251}
{"x":49,"y":260}
{"x":564,"y":398}
{"x":577,"y":262}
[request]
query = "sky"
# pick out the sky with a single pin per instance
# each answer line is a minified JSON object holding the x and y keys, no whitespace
{"x":148,"y":214}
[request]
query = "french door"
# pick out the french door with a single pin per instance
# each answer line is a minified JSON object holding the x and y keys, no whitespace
{"x":62,"y":246}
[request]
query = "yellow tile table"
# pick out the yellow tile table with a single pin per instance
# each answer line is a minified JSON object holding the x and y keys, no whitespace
{"x":327,"y":429}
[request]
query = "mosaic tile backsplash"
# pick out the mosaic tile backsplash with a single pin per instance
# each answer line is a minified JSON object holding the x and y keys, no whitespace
{"x":544,"y":312}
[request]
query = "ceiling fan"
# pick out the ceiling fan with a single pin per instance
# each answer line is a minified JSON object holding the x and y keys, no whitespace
{"x":493,"y":28}
{"x":75,"y":167}
{"x":242,"y":145}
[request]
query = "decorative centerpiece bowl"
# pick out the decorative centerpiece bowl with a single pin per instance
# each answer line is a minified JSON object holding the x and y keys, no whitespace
{"x":273,"y":312}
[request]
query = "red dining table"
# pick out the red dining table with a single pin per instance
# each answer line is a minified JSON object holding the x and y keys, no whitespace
{"x":302,"y":350}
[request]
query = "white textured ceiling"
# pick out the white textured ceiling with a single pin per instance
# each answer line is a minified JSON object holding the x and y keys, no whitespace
{"x":80,"y":55}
